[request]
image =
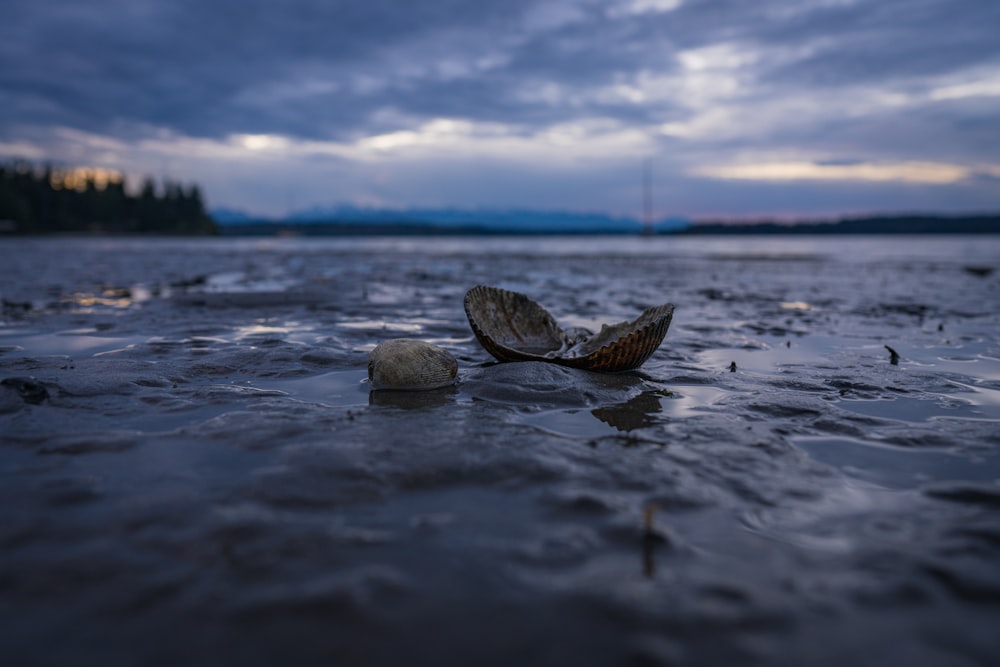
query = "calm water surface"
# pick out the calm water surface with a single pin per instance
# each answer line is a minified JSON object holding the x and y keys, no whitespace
{"x":193,"y":471}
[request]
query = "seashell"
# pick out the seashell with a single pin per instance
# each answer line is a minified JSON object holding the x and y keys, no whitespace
{"x":512,"y":327}
{"x":406,"y":363}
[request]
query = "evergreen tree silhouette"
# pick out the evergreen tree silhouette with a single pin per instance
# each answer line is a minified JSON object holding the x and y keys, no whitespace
{"x":49,"y":199}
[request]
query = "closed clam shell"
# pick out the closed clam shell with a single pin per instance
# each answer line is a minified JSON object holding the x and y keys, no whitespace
{"x":512,"y":327}
{"x":409,"y":364}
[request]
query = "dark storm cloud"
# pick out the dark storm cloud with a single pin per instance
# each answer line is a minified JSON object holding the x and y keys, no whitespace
{"x":386,"y":97}
{"x":210,"y":69}
{"x":191,"y":65}
{"x":888,"y":40}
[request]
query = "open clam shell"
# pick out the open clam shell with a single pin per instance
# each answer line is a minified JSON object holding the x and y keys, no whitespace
{"x":512,"y":327}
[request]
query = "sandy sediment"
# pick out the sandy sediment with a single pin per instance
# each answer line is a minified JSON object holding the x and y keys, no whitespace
{"x":188,"y":442}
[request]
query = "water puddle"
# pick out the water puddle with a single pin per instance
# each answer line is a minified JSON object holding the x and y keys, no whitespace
{"x":574,"y":423}
{"x":335,"y":389}
{"x":75,"y":342}
{"x":768,"y":355}
{"x":980,"y":366}
{"x":647,"y":409}
{"x":961,"y":405}
{"x":239,"y":282}
{"x":986,"y":399}
{"x":973,"y":359}
{"x":898,"y":467}
{"x":381,"y":325}
{"x":387,"y":295}
{"x":690,"y":401}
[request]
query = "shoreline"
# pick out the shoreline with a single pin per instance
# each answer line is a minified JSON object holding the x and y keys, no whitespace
{"x":901,"y":225}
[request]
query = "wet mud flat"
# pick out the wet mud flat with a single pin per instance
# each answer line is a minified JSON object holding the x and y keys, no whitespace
{"x":193,"y":471}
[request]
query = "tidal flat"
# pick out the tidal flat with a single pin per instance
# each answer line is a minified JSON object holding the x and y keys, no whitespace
{"x":193,"y":469}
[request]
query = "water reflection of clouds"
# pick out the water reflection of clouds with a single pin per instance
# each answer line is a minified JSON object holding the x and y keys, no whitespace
{"x":796,"y":305}
{"x":87,"y":300}
{"x":820,"y":525}
{"x":897,"y":467}
{"x":68,"y":343}
{"x":644,"y":410}
{"x":769,"y":357}
{"x":338,"y":388}
{"x":981,"y":366}
{"x":256,"y":330}
{"x":382,"y":325}
{"x":975,"y":403}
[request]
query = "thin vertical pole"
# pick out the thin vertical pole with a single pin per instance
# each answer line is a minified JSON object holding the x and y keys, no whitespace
{"x":647,"y":195}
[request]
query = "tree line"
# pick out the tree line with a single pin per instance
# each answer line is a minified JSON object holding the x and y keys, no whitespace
{"x":985,"y":223}
{"x":46,"y":199}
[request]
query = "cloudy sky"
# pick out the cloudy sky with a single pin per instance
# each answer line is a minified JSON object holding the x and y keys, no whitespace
{"x":742,"y":108}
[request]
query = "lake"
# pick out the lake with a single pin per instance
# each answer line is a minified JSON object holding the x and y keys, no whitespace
{"x":194,"y":471}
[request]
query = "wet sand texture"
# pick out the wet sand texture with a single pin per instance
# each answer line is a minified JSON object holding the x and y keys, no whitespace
{"x":194,"y":471}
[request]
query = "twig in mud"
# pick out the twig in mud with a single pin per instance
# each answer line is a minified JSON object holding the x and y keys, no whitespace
{"x":648,"y":513}
{"x":893,"y":356}
{"x":650,"y":539}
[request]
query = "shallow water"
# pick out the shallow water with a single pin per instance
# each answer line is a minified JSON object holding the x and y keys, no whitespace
{"x":193,"y":469}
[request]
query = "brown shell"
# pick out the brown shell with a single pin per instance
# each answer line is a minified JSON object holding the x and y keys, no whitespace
{"x":409,"y":364}
{"x":512,"y":327}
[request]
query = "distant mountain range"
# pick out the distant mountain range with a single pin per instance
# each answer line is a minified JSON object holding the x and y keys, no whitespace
{"x":352,"y":220}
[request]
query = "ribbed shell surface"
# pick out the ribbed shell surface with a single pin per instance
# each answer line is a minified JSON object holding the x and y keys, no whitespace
{"x":409,"y":364}
{"x":512,"y":327}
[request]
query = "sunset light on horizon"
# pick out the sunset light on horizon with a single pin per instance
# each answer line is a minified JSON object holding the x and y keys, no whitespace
{"x":776,"y":108}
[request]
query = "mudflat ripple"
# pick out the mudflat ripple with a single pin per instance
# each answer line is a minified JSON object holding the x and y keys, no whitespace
{"x":192,"y":468}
